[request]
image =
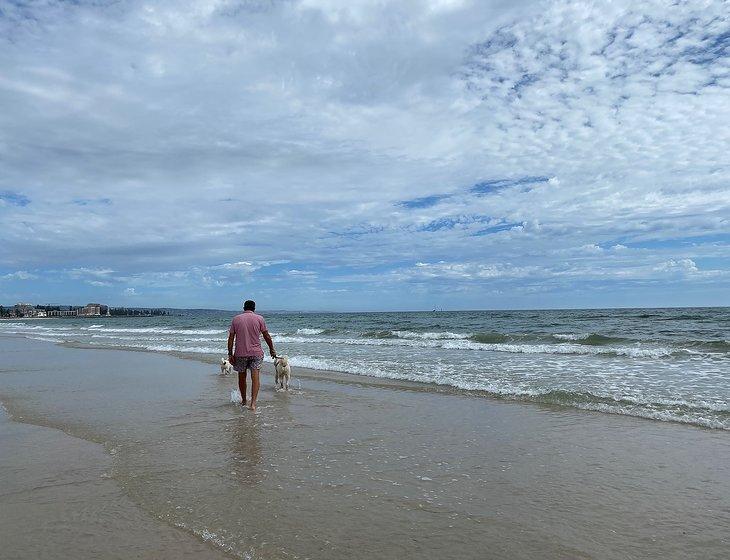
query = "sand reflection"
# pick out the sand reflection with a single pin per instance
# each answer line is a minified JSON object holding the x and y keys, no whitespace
{"x":247,"y":449}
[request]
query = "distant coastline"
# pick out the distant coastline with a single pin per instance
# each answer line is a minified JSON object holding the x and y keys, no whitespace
{"x":90,"y":310}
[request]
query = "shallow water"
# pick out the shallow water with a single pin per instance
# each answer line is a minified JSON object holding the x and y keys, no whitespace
{"x":345,"y":470}
{"x":664,"y":364}
{"x":58,"y":500}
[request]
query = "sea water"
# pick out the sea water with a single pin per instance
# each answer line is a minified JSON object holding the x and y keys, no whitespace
{"x":664,"y":364}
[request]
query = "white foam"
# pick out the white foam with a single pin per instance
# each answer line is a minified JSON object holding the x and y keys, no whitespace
{"x":236,"y":396}
{"x":692,"y":412}
{"x":180,"y":348}
{"x":662,"y":415}
{"x":159,"y":330}
{"x":47,"y":332}
{"x":464,"y":344}
{"x":430,"y":335}
{"x":47,"y":339}
{"x":172,"y":340}
{"x":161,"y":338}
{"x":216,"y":540}
{"x":310,"y":331}
{"x":28,"y":327}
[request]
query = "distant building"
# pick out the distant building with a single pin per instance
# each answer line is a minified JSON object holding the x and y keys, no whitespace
{"x":29,"y":310}
{"x":24,"y":310}
{"x":63,"y":313}
{"x":91,"y":310}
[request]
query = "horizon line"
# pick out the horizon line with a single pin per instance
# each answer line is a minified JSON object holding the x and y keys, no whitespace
{"x":399,"y":310}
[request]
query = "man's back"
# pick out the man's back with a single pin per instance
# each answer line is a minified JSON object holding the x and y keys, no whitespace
{"x":247,"y":327}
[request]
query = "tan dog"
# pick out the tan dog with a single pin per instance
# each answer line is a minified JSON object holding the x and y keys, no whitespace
{"x":283,"y":372}
{"x":226,"y":367}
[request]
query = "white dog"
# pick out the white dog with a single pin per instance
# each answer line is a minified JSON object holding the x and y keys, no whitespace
{"x":283,"y":372}
{"x":226,"y":367}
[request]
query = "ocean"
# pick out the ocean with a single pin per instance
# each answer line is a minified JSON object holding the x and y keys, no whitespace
{"x":662,"y":364}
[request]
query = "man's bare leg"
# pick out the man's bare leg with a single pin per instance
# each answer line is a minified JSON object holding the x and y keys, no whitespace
{"x":254,"y":387}
{"x":242,"y":386}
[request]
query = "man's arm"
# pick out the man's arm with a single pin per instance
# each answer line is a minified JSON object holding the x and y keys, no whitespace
{"x":267,"y":338}
{"x":231,"y":336}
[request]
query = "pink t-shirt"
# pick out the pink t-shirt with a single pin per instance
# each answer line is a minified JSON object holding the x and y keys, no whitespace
{"x":247,"y":327}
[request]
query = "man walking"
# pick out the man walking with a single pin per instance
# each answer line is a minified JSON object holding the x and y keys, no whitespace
{"x":245,"y":330}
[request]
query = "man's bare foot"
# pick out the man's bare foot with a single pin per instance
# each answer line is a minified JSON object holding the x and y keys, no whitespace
{"x":252,"y":406}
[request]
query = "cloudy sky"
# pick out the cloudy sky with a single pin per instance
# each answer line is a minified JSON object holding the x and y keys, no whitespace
{"x":320,"y":154}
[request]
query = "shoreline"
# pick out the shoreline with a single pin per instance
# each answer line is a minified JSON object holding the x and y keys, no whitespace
{"x":396,"y":383}
{"x":431,"y":472}
{"x":404,"y":384}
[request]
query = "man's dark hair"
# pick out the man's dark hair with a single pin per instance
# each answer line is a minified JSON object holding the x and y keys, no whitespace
{"x":249,"y":305}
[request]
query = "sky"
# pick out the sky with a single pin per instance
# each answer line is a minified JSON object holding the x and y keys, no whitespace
{"x":365,"y":155}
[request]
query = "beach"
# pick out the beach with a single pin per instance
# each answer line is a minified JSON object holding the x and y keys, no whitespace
{"x":491,"y":239}
{"x":58,"y":501}
{"x":666,"y":364}
{"x":135,"y":454}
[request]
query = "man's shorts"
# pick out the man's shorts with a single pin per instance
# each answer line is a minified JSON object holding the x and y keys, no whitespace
{"x":241,"y":363}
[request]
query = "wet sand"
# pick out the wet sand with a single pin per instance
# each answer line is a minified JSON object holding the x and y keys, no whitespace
{"x":58,"y":501}
{"x":340,"y":467}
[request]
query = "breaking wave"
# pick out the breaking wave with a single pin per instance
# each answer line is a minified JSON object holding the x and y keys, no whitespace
{"x":513,"y":348}
{"x":706,"y":414}
{"x":310,"y":331}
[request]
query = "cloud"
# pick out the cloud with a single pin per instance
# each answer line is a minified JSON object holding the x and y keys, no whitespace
{"x":555,"y":273}
{"x":682,"y":266}
{"x":18,"y":275}
{"x":181,"y":149}
{"x":302,"y":273}
{"x":84,"y":272}
{"x":240,"y":265}
{"x":470,"y":271}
